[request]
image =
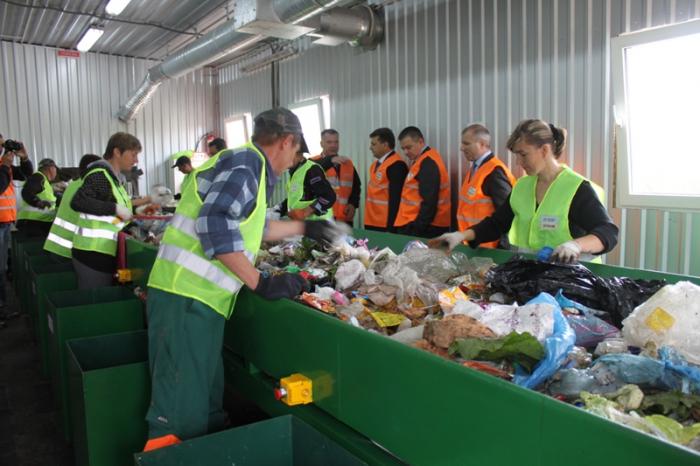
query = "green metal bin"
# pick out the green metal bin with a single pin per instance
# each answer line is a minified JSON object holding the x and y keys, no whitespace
{"x":30,"y":259}
{"x":82,"y":314}
{"x":48,"y":279}
{"x":21,"y":246}
{"x":110,"y":390}
{"x":282,"y":441}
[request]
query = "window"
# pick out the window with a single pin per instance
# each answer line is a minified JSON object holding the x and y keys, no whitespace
{"x":314,"y":115}
{"x":657,"y":95}
{"x":237,"y":130}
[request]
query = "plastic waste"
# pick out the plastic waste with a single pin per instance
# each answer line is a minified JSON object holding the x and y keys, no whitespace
{"x":409,"y":336}
{"x":467,"y":308}
{"x":435,"y":263}
{"x":671,"y":318}
{"x":449,"y":297}
{"x":557,"y":347}
{"x":590,"y":330}
{"x":596,"y":379}
{"x":544,"y":253}
{"x":536,"y":318}
{"x":671,"y":372}
{"x":415,"y":244}
{"x":524,"y":279}
{"x":611,"y":346}
{"x":349,"y":274}
{"x":477,"y":268}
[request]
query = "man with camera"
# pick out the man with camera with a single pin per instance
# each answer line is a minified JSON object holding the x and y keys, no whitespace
{"x":8,"y":209}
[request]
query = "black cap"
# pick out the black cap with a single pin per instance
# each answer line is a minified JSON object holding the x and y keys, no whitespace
{"x":277,"y":120}
{"x":46,"y":163}
{"x":182,"y":160}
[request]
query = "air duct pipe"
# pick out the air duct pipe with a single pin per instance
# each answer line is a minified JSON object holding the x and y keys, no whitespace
{"x":216,"y":44}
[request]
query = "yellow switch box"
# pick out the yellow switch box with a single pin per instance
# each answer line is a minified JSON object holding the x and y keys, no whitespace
{"x":123,"y":275}
{"x":295,"y":390}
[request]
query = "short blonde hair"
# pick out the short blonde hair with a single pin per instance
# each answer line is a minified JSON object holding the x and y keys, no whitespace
{"x":538,"y":133}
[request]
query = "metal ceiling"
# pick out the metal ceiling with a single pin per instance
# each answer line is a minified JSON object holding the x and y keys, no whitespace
{"x":145,"y":29}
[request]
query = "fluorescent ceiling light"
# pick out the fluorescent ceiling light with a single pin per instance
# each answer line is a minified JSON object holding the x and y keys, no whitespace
{"x":89,"y":38}
{"x":114,"y":7}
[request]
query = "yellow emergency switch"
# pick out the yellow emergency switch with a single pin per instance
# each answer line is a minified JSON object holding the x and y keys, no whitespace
{"x":295,"y":390}
{"x":123,"y":275}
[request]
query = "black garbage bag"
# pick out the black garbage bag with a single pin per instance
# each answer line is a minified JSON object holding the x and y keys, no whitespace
{"x":523,"y":279}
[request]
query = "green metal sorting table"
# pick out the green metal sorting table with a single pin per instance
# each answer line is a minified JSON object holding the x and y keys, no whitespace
{"x":425,"y":410}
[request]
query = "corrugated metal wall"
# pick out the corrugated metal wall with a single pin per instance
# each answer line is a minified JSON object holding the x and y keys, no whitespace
{"x":63,"y":108}
{"x":445,"y":64}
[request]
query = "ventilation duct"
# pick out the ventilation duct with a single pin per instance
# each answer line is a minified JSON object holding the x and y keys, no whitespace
{"x":264,"y":18}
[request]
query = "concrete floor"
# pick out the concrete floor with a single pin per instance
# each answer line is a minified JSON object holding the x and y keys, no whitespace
{"x":29,"y":434}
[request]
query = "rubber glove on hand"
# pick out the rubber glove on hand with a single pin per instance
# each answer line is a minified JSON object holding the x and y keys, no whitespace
{"x":451,"y":240}
{"x":285,"y":285}
{"x":44,"y":204}
{"x":300,"y":214}
{"x":325,"y":231}
{"x":567,"y":253}
{"x":160,"y":195}
{"x":123,"y":213}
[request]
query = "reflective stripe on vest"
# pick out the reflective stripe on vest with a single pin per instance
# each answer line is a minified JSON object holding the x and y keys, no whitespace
{"x":182,"y":268}
{"x":8,"y":206}
{"x":60,"y":239}
{"x":28,"y":212}
{"x":99,"y":233}
{"x":411,"y":199}
{"x":295,"y":192}
{"x":474,"y":205}
{"x":547,"y":225}
{"x":342,"y":184}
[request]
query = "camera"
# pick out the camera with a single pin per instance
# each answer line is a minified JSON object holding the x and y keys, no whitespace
{"x":11,"y":146}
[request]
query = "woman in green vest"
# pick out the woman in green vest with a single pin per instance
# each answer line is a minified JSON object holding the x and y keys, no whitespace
{"x":550,"y":206}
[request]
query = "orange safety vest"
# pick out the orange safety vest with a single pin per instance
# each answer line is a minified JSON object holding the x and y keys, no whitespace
{"x":342,"y":184}
{"x":377,"y":202}
{"x":411,"y":200}
{"x":8,"y":203}
{"x":474,"y":205}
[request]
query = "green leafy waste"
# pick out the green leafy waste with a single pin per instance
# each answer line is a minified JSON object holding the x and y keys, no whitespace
{"x":671,"y":402}
{"x":522,"y":348}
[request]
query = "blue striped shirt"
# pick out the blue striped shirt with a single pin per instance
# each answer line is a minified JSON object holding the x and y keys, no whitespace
{"x":229,"y":192}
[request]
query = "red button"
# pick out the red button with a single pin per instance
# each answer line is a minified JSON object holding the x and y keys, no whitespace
{"x":278,"y":394}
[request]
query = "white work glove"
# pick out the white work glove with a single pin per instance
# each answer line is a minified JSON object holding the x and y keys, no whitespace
{"x":160,"y":195}
{"x":452,"y":240}
{"x":567,"y":253}
{"x":123,"y":213}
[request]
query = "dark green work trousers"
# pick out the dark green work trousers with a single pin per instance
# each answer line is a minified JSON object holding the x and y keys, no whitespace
{"x":185,"y":339}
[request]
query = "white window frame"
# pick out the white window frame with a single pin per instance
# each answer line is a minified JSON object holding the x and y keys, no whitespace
{"x":625,"y":197}
{"x":323,"y":106}
{"x":247,"y":120}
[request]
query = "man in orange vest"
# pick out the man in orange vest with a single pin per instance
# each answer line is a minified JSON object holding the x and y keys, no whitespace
{"x":487,"y":184}
{"x":342,"y":175}
{"x":8,"y":208}
{"x":425,"y":199}
{"x":386,"y":177}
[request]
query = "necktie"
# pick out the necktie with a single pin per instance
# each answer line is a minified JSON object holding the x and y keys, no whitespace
{"x":471,"y":172}
{"x":376,"y":167}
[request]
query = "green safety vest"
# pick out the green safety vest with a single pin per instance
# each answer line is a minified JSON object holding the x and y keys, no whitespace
{"x":534,"y":228}
{"x":28,"y":212}
{"x":295,"y":191}
{"x":65,"y":225}
{"x":182,"y":268}
{"x":99,"y":233}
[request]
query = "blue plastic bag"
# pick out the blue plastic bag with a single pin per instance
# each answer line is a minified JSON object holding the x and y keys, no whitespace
{"x":556,"y":347}
{"x":671,"y":372}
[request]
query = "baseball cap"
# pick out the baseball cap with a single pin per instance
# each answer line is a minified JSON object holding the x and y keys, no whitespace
{"x":277,"y":120}
{"x":182,"y":160}
{"x":46,"y":163}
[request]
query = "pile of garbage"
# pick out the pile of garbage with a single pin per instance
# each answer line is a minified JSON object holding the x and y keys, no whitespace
{"x":620,"y":348}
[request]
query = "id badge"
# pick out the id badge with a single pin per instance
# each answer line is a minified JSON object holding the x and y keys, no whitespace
{"x":295,"y":187}
{"x":549,"y":223}
{"x":472,"y":191}
{"x":379,"y":176}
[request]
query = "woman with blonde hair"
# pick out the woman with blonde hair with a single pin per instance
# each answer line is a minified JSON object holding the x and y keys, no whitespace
{"x":550,"y":206}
